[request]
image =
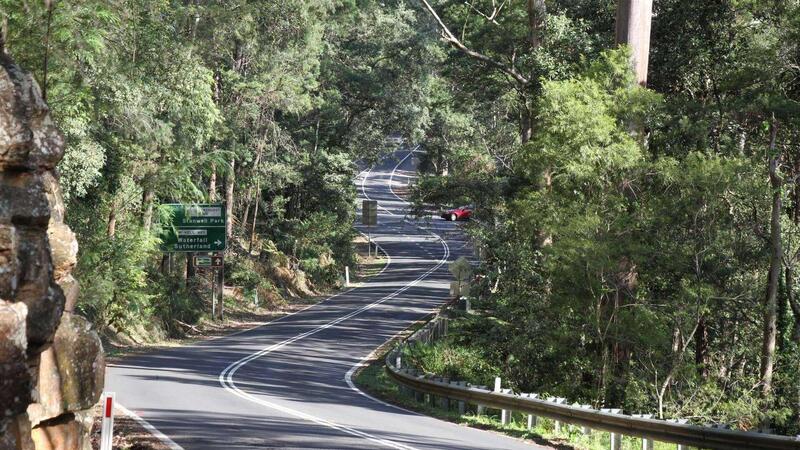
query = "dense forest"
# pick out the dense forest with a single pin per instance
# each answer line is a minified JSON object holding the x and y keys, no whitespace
{"x":640,"y":244}
{"x":265,"y":106}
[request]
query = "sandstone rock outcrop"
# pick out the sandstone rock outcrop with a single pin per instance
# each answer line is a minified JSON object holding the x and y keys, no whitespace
{"x":51,"y":362}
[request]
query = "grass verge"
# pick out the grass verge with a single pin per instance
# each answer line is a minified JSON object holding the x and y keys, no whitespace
{"x":374,"y":380}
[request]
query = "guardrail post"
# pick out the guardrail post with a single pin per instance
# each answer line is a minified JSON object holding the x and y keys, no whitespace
{"x":418,"y":395}
{"x":505,"y":416}
{"x":586,"y":431}
{"x":647,"y":444}
{"x":532,"y":420}
{"x":504,"y":413}
{"x":444,"y":402}
{"x":557,"y":400}
{"x":616,"y":438}
{"x":462,"y":405}
{"x":616,"y":441}
{"x":431,"y":397}
{"x":481,"y":409}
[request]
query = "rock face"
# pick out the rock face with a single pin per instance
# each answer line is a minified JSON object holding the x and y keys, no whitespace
{"x":51,"y":362}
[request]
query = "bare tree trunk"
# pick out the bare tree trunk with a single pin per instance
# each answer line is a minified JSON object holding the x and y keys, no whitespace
{"x":3,"y":33}
{"x":111,"y":229}
{"x":701,"y":348}
{"x":793,"y":303}
{"x":255,"y":216}
{"x":537,"y":11}
{"x":212,"y":185}
{"x":46,"y":63}
{"x":679,"y":347}
{"x":526,"y":123}
{"x":634,"y":19}
{"x":246,"y":214}
{"x":190,"y":269}
{"x":229,"y":180}
{"x":776,"y":253}
{"x":147,"y":202}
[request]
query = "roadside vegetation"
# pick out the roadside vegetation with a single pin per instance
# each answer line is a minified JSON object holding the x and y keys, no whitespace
{"x":374,"y":380}
{"x":263,"y":106}
{"x":639,"y":244}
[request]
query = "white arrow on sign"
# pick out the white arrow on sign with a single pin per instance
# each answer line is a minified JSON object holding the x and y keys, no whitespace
{"x":218,"y":242}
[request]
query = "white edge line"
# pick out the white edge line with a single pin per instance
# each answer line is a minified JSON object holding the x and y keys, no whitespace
{"x":163,"y":437}
{"x":348,"y":377}
{"x":149,"y":427}
{"x":226,"y":376}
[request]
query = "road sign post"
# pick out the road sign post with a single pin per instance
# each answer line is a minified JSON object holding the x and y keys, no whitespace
{"x":201,"y":228}
{"x":369,"y":217}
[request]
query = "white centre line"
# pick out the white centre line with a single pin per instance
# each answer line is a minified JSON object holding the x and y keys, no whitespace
{"x":226,"y":376}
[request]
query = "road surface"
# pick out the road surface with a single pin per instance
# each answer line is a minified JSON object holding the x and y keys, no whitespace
{"x":287,"y":384}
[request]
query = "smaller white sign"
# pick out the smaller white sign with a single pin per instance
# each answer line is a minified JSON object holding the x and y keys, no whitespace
{"x":204,"y":211}
{"x":183,"y":232}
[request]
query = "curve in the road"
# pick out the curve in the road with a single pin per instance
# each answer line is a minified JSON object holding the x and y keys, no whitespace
{"x":226,"y":376}
{"x":284,"y":385}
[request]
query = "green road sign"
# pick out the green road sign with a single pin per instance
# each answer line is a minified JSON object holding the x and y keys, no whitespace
{"x":369,"y":212}
{"x":194,"y":228}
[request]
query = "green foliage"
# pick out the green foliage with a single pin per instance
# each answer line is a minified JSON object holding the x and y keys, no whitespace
{"x":263,"y":105}
{"x":626,"y":242}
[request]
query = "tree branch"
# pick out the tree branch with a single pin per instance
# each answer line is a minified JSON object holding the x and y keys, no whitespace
{"x":455,"y":42}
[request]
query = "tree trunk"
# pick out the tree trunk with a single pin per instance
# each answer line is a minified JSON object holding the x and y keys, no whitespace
{"x":634,"y":19}
{"x":229,"y":180}
{"x":255,"y":216}
{"x":793,"y":303}
{"x":46,"y":62}
{"x":701,"y":348}
{"x":147,"y":213}
{"x":537,"y":11}
{"x":190,"y":269}
{"x":246,"y":214}
{"x":3,"y":33}
{"x":526,"y":123}
{"x":776,"y":252}
{"x":212,"y":184}
{"x":111,"y":229}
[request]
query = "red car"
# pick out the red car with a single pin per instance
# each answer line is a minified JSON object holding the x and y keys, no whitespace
{"x":460,"y":213}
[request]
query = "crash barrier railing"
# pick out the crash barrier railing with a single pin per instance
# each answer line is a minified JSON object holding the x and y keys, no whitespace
{"x":446,"y":393}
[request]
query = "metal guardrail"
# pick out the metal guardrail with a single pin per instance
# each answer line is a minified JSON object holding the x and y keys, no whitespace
{"x":612,"y":421}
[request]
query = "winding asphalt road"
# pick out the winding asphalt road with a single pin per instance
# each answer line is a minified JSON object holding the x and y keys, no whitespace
{"x":286,"y":384}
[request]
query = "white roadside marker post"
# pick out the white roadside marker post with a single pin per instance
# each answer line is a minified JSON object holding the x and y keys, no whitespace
{"x":532,"y":420}
{"x":647,"y":444}
{"x":616,"y":438}
{"x":108,"y":421}
{"x":586,"y":431}
{"x":557,"y":423}
{"x":346,"y":276}
{"x":462,"y":405}
{"x":503,"y":412}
